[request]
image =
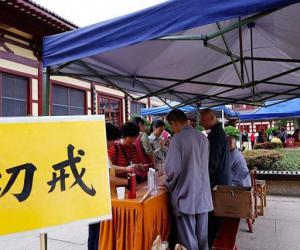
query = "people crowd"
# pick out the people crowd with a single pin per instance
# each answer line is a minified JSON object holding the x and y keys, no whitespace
{"x":279,"y":136}
{"x":193,"y":163}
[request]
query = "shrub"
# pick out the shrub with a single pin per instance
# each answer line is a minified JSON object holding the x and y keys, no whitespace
{"x":232,"y":131}
{"x":262,"y":159}
{"x":290,"y":161}
{"x":267,"y":145}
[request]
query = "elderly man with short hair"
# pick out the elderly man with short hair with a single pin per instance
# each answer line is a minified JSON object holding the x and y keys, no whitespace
{"x":219,"y":169}
{"x":187,"y":179}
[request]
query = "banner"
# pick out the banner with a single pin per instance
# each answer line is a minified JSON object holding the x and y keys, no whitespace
{"x":53,"y":171}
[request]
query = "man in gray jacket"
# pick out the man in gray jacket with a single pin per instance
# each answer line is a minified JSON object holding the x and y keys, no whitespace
{"x":187,"y":179}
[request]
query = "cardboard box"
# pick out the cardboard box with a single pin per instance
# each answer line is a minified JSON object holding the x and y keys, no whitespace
{"x":231,"y":201}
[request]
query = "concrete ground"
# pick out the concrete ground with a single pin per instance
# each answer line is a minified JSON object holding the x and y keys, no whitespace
{"x":65,"y":238}
{"x":278,"y":229}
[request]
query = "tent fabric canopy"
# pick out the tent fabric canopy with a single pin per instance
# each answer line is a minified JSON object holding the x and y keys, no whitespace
{"x":165,"y":109}
{"x":280,"y":110}
{"x":212,"y":69}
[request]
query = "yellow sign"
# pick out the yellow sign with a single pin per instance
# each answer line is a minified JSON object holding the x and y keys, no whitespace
{"x":53,"y":171}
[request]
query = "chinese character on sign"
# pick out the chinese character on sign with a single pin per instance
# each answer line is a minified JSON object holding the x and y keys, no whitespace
{"x":71,"y":163}
{"x":29,"y":169}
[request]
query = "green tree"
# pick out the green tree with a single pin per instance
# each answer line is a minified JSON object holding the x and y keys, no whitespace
{"x":232,"y":131}
{"x":281,"y":123}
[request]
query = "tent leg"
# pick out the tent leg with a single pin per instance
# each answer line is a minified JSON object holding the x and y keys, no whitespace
{"x":241,"y":52}
{"x":223,"y":120}
{"x":46,"y":91}
{"x":126,"y":108}
{"x":240,"y":134}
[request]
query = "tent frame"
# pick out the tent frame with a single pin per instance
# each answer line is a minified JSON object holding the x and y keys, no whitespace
{"x":241,"y":71}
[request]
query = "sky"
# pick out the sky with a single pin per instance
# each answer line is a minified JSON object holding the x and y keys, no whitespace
{"x":86,"y":12}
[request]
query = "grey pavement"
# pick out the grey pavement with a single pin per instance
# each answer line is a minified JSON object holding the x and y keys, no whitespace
{"x":278,"y":229}
{"x":72,"y":237}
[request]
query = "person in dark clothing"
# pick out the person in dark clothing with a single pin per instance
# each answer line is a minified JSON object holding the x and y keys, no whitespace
{"x":260,"y":138}
{"x":219,"y":167}
{"x":245,"y":136}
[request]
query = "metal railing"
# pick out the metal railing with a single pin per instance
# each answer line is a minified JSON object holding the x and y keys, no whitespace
{"x":278,"y":175}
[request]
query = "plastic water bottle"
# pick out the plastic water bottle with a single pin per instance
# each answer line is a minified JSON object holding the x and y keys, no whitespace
{"x":150,"y":179}
{"x":154,"y":189}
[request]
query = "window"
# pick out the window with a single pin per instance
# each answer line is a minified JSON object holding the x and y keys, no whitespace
{"x":14,"y":95}
{"x":67,"y":101}
{"x":111,"y":108}
{"x":135,"y":107}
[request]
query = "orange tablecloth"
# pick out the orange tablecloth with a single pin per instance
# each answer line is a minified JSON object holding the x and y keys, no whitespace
{"x":136,"y":223}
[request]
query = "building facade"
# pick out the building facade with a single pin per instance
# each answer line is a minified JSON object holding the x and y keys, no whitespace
{"x":258,"y":125}
{"x":23,"y":24}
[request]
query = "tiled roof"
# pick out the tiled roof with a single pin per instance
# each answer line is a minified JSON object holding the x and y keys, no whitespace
{"x":40,"y":13}
{"x":51,"y":13}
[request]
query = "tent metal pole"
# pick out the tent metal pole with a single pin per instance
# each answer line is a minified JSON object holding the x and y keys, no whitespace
{"x":252,"y":88}
{"x":251,"y":49}
{"x":56,"y":70}
{"x":230,"y":54}
{"x":239,"y":24}
{"x":241,"y":52}
{"x":212,"y":97}
{"x":281,"y":84}
{"x":273,"y":93}
{"x":146,"y":77}
{"x":179,"y":97}
{"x":223,"y":121}
{"x":240,"y":139}
{"x":183,"y":81}
{"x":269,"y":59}
{"x":272,"y":77}
{"x":46,"y":91}
{"x":188,"y":102}
{"x":148,"y":90}
{"x":94,"y":99}
{"x":282,"y":101}
{"x":126,"y":108}
{"x":89,"y":68}
{"x":183,"y":38}
{"x":189,"y":81}
{"x":198,"y":115}
{"x":220,"y":50}
{"x":218,"y":33}
{"x":282,"y":93}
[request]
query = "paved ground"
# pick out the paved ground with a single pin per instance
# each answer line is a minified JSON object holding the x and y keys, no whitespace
{"x":279,"y":229}
{"x":66,"y":238}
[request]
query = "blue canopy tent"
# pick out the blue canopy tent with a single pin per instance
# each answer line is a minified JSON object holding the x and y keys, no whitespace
{"x":187,"y":51}
{"x":166,"y":109}
{"x":274,"y":110}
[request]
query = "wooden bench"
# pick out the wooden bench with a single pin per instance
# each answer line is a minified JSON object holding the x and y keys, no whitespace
{"x":226,"y":238}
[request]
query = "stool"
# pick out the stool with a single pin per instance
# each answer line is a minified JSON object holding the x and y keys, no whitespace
{"x":261,"y":192}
